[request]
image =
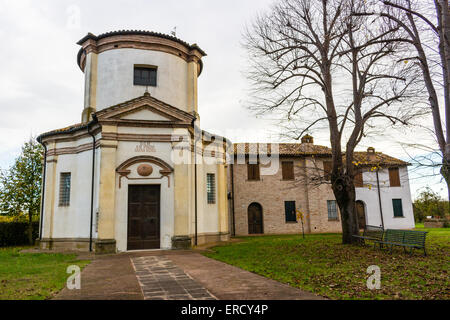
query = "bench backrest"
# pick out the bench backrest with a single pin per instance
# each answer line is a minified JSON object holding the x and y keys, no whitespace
{"x":373,"y":232}
{"x":405,"y":236}
{"x":392,"y":235}
{"x":415,"y":237}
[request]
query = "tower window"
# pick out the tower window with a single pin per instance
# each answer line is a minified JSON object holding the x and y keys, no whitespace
{"x":211,"y":188}
{"x":64,"y":190}
{"x":145,"y":76}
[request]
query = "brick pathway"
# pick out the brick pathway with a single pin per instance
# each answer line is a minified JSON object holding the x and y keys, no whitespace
{"x":160,"y":279}
{"x":174,"y":275}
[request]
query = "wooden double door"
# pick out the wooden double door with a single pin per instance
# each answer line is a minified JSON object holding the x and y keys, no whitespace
{"x":144,"y":216}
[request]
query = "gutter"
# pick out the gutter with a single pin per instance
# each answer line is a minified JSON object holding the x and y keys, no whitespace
{"x":195,"y":182}
{"x":232,"y":199}
{"x":41,"y":217}
{"x":379,"y":199}
{"x":92,"y":187}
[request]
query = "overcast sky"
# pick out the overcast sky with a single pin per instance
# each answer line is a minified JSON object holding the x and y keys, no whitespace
{"x":41,"y":86}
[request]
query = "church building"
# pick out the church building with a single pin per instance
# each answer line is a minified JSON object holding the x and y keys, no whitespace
{"x":126,"y":177}
{"x":137,"y":172}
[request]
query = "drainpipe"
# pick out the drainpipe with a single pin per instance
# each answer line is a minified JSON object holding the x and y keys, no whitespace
{"x":232,"y":199}
{"x":41,"y":218}
{"x":195,"y":180}
{"x":92,"y":187}
{"x":379,"y":199}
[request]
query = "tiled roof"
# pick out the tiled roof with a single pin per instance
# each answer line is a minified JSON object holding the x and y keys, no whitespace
{"x":377,"y":158}
{"x":69,"y":129}
{"x":134,"y":32}
{"x":305,"y":149}
{"x":293,"y":149}
{"x":140,"y":32}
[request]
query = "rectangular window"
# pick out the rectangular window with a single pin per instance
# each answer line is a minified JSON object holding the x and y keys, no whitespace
{"x":394,"y":177}
{"x":287,"y":168}
{"x":398,"y":208}
{"x":145,"y":76}
{"x":358,"y":180}
{"x":211,"y":188}
{"x":332,"y":210}
{"x":253,"y":171}
{"x":327,"y":168}
{"x":289,"y":210}
{"x":64,"y":190}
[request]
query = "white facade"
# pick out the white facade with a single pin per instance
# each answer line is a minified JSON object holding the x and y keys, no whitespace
{"x":370,"y":197}
{"x":115,"y":77}
{"x":135,"y":126}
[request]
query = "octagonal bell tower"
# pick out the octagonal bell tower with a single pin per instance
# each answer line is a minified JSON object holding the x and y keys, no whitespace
{"x":122,"y":65}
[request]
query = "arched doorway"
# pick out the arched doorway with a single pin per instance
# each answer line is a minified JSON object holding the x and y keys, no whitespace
{"x":255,"y":219}
{"x":361,"y":214}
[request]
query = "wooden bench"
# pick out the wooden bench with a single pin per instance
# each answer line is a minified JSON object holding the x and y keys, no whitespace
{"x":372,"y":233}
{"x":404,"y":238}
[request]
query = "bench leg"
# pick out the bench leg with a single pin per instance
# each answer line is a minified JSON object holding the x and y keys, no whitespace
{"x":424,"y":251}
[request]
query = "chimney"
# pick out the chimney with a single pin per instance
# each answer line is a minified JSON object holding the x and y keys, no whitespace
{"x":308,"y":139}
{"x":371,"y":155}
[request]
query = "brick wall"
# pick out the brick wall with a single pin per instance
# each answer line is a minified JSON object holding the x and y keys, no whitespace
{"x":272,"y":191}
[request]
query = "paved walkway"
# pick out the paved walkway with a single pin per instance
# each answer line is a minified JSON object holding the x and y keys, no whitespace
{"x":175,"y":275}
{"x":160,"y":279}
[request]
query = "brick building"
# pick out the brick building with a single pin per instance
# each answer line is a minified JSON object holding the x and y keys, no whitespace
{"x":264,"y":197}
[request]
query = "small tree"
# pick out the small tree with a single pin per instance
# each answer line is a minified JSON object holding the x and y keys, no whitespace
{"x":20,"y":186}
{"x":429,"y":203}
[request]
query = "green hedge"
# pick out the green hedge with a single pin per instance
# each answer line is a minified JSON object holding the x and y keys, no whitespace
{"x":16,"y":233}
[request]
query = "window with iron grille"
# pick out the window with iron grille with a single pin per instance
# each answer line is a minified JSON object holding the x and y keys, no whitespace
{"x":211,"y":188}
{"x":145,"y":76}
{"x":64,"y":190}
{"x":332,"y":210}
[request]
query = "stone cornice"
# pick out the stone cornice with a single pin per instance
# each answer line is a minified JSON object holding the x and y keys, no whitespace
{"x":144,"y":40}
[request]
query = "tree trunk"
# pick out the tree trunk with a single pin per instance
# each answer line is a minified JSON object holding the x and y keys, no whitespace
{"x":344,"y":192}
{"x":30,"y":228}
{"x":445,"y":172}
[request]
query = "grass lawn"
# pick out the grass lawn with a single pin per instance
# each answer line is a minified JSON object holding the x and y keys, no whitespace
{"x":322,"y":265}
{"x":33,"y":276}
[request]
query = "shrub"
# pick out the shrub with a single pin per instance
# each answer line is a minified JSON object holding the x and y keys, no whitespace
{"x":429,"y":203}
{"x":15,"y":233}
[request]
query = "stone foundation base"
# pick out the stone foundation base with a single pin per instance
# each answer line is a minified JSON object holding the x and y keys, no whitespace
{"x":205,"y":238}
{"x":99,"y":246}
{"x":181,"y":242}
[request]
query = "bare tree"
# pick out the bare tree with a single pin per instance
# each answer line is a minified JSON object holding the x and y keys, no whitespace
{"x":319,"y":65}
{"x":432,"y":54}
